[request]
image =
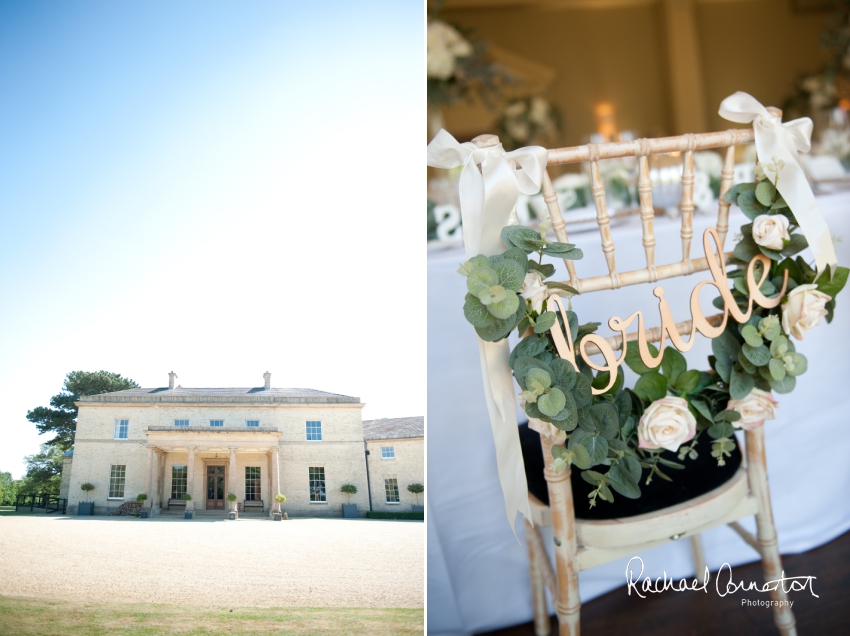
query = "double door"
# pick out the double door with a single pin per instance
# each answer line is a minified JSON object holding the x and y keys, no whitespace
{"x":215,"y":487}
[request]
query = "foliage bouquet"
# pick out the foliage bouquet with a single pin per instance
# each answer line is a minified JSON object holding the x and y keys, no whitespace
{"x":616,"y":438}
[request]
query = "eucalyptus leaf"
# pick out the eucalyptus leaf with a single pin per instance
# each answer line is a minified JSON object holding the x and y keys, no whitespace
{"x":740,"y":385}
{"x":581,"y":457}
{"x":785,"y":385}
{"x":633,"y":359}
{"x":746,"y":249}
{"x":564,"y":373}
{"x":765,"y":191}
{"x":551,"y":403}
{"x":749,"y":205}
{"x":777,"y":370}
{"x":481,"y":279}
{"x":476,"y":313}
{"x":797,"y":243}
{"x":597,"y":446}
{"x":759,"y":356}
{"x":751,"y":335}
{"x":544,"y":322}
{"x":687,"y":382}
{"x":606,"y":419}
{"x":505,"y":308}
{"x":581,"y":391}
{"x":651,"y":386}
{"x":673,"y":364}
{"x":622,"y":481}
{"x":511,"y":274}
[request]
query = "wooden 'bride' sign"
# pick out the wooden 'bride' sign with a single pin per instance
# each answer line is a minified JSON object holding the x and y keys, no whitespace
{"x":717,"y":265}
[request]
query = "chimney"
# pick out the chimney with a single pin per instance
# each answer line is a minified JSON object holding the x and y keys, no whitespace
{"x":171,"y":377}
{"x":267,"y":378}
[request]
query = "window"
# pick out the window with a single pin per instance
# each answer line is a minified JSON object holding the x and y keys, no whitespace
{"x":121,"y":427}
{"x":216,"y":422}
{"x":252,"y":483}
{"x":179,"y":475}
{"x":252,"y":422}
{"x":387,"y":452}
{"x":391,"y":488}
{"x":317,"y":485}
{"x":181,"y":422}
{"x":314,"y":432}
{"x":116,"y":481}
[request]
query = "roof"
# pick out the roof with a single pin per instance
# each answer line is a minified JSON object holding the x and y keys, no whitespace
{"x":394,"y":428}
{"x":255,"y":395}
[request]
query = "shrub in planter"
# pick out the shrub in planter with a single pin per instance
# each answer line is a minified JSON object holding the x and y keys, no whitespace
{"x":276,"y":514}
{"x":416,"y":489}
{"x":189,"y":512}
{"x":86,"y":507}
{"x":231,"y":497}
{"x":349,"y":510}
{"x":142,"y":498}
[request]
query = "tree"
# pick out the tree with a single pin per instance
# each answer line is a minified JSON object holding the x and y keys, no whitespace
{"x":44,"y":472}
{"x":349,"y":489}
{"x":61,"y":417}
{"x":416,"y":489}
{"x":8,"y":489}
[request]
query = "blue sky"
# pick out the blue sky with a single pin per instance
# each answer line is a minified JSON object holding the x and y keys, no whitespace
{"x":213,"y":188}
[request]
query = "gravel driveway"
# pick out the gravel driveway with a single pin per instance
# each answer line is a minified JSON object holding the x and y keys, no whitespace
{"x":256,"y":563}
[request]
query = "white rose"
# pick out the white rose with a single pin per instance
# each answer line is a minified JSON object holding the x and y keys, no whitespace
{"x":445,"y":45}
{"x":667,"y":423}
{"x":519,"y":130}
{"x":534,"y":290}
{"x":769,"y":231}
{"x":803,"y":310}
{"x":539,"y":112}
{"x":757,"y":407}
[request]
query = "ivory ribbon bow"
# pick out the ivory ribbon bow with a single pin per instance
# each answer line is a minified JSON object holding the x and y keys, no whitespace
{"x":783,"y":141}
{"x":487,"y":199}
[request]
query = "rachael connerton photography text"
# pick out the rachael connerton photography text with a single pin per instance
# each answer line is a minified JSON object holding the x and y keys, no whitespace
{"x":723,"y":585}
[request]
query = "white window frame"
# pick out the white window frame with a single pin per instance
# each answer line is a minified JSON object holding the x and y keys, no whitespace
{"x":179,"y":420}
{"x":117,"y":429}
{"x":307,"y":430}
{"x":324,"y":482}
{"x":217,"y":425}
{"x":391,"y":454}
{"x":397,"y":491}
{"x":123,"y":476}
{"x":257,"y":425}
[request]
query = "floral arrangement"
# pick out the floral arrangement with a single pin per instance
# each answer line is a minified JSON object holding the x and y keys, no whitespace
{"x":529,"y":120}
{"x":617,"y":438}
{"x":458,"y":67}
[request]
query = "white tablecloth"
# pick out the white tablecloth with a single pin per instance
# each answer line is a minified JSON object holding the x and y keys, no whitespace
{"x":478,"y":572}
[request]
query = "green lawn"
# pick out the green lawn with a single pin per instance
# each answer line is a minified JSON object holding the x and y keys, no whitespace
{"x":25,"y":616}
{"x":10,"y":510}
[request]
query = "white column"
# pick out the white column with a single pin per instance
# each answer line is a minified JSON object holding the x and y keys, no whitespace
{"x":275,"y":477}
{"x":270,"y":496}
{"x":231,"y":479}
{"x":149,"y":468}
{"x":190,"y":478}
{"x":153,"y":495}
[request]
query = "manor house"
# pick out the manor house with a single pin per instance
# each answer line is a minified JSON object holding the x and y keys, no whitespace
{"x":253,"y":442}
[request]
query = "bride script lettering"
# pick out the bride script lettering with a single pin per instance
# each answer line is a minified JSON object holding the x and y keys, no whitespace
{"x":717,"y":267}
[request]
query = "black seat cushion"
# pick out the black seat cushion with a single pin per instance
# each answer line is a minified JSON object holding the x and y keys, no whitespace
{"x":699,"y":477}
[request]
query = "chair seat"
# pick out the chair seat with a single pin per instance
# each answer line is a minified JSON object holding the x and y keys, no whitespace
{"x":699,"y":477}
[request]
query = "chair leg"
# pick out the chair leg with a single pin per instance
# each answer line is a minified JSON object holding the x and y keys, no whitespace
{"x":568,"y":604}
{"x":699,"y":557}
{"x":771,"y":561}
{"x":538,"y":585}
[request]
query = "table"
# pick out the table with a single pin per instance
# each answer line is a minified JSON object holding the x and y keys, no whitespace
{"x":477,"y":570}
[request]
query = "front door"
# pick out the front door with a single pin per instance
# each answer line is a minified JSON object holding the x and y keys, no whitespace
{"x":215,"y":487}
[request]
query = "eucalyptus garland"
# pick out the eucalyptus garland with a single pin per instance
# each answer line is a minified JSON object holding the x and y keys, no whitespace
{"x":616,"y":439}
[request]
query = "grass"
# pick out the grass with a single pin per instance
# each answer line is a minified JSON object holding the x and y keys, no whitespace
{"x":5,"y":511}
{"x":26,"y":616}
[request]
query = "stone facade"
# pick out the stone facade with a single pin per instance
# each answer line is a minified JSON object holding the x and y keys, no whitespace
{"x":218,"y":439}
{"x":396,"y":451}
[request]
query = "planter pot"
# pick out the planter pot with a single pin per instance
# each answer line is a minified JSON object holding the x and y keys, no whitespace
{"x":349,"y":511}
{"x":415,"y":508}
{"x":145,"y":513}
{"x":233,"y":515}
{"x":276,"y":516}
{"x":85,"y":508}
{"x":189,"y":514}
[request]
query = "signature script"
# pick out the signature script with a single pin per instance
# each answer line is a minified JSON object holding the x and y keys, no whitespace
{"x":724,"y":584}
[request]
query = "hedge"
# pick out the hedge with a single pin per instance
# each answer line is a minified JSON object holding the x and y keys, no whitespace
{"x":418,"y":516}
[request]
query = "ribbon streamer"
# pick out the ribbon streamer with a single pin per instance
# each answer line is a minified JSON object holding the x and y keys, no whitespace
{"x":487,"y":198}
{"x":784,"y":141}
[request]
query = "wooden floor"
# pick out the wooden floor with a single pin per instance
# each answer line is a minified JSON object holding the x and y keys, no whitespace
{"x":698,"y":613}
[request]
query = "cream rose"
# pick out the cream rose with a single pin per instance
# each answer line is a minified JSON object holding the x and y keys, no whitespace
{"x":445,"y":45}
{"x":534,"y":290}
{"x":769,"y":231}
{"x":803,"y":310}
{"x":667,"y":423}
{"x":757,"y":407}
